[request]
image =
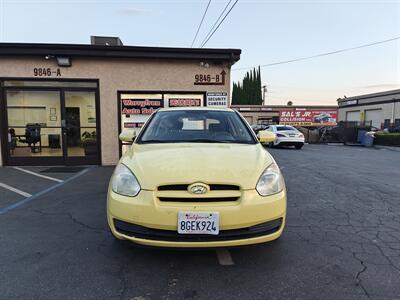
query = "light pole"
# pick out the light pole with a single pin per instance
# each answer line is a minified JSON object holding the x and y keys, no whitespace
{"x":264,"y":87}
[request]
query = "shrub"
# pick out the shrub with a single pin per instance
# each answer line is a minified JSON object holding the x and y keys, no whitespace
{"x":387,"y":139}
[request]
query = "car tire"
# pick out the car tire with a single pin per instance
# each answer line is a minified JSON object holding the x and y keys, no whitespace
{"x":271,"y":144}
{"x":299,"y":146}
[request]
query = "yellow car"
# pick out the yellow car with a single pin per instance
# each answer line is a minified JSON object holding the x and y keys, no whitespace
{"x":196,"y":177}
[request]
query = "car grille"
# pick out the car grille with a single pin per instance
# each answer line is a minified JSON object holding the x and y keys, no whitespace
{"x":198,"y":199}
{"x":213,"y":187}
{"x":138,"y":231}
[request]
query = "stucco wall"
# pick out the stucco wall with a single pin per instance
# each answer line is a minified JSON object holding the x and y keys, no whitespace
{"x":121,"y":74}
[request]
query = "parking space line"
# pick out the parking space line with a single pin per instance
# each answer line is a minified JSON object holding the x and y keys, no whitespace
{"x":224,"y":257}
{"x":10,"y":188}
{"x":38,"y":175}
{"x":33,"y":197}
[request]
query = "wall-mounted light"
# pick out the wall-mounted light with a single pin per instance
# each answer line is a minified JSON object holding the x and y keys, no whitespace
{"x":204,"y":64}
{"x":64,"y":61}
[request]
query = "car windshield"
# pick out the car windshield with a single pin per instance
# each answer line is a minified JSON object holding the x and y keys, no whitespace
{"x":284,"y":128}
{"x":196,"y":126}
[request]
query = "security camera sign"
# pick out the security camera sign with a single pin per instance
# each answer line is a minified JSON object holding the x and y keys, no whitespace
{"x":217,"y":99}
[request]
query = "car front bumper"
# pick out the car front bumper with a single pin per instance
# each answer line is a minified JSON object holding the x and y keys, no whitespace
{"x":290,"y":141}
{"x":146,"y":220}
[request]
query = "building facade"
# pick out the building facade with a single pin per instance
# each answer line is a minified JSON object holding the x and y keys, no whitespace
{"x":64,"y":104}
{"x":381,"y":109}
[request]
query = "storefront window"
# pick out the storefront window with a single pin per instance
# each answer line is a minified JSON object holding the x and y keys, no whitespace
{"x":34,"y":123}
{"x":136,"y":109}
{"x":60,"y":125}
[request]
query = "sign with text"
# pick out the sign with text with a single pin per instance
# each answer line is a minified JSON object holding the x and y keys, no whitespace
{"x":308,"y":117}
{"x":46,"y":72}
{"x":217,"y":99}
{"x":210,"y":79}
{"x":182,"y":102}
{"x":140,"y":106}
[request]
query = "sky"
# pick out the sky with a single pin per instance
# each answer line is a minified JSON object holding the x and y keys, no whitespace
{"x":266,"y":31}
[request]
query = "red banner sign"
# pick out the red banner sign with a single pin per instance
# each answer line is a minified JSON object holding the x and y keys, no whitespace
{"x":177,"y":102}
{"x":308,"y":117}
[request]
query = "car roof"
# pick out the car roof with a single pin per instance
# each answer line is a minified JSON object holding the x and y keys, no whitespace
{"x":196,"y":108}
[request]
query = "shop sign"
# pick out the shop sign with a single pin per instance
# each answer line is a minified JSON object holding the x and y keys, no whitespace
{"x":182,"y":102}
{"x":217,"y":99}
{"x":308,"y":117}
{"x":133,"y":124}
{"x":140,"y":106}
{"x":210,"y":79}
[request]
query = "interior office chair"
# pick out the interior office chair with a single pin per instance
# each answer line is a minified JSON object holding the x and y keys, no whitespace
{"x":32,"y":137}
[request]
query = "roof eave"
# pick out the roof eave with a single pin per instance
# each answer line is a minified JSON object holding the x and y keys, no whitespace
{"x":78,"y":50}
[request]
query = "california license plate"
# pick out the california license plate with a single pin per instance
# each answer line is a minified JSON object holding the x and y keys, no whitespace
{"x":198,"y":223}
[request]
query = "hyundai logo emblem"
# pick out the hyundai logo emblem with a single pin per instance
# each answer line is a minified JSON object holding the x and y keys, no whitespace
{"x":198,"y":188}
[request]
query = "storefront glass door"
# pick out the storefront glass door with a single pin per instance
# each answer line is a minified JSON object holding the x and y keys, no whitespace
{"x":80,"y":131}
{"x":47,"y":127}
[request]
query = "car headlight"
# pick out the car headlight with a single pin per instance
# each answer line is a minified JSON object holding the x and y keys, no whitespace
{"x":271,"y":181}
{"x":124,"y":182}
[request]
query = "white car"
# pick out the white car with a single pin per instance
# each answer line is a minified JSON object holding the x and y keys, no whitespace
{"x":286,"y":136}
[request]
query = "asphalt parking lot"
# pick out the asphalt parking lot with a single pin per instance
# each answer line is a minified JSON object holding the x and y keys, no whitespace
{"x":342,"y":239}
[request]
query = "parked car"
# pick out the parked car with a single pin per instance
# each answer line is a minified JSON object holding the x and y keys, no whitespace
{"x":196,"y":177}
{"x":286,"y":136}
{"x":257,"y":127}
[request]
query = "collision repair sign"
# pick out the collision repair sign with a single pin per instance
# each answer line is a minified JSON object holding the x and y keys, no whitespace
{"x":308,"y":117}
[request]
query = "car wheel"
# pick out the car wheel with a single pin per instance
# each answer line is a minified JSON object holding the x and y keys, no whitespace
{"x":271,"y":145}
{"x":299,"y":146}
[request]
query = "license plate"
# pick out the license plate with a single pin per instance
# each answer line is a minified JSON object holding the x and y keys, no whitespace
{"x":291,"y":135}
{"x":198,"y":223}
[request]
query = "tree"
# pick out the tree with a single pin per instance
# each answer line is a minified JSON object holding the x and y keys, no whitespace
{"x":249,"y":90}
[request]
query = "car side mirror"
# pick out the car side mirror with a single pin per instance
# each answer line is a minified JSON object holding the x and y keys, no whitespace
{"x":266,"y":136}
{"x":127,"y":135}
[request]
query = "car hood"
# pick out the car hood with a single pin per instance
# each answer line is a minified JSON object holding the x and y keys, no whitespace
{"x":181,"y":163}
